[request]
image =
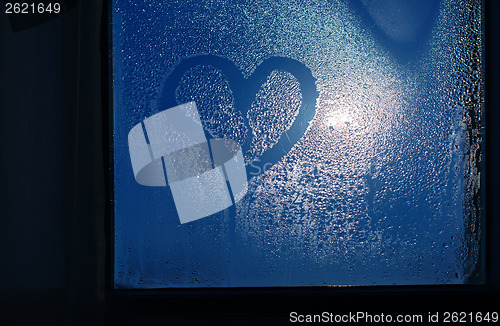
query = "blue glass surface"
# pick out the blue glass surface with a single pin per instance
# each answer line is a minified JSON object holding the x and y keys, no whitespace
{"x":360,"y":123}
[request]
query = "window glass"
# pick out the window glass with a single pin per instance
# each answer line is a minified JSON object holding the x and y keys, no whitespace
{"x":296,"y":143}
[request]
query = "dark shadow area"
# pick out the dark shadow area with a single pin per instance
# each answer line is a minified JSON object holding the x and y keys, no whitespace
{"x":401,"y":27}
{"x":52,"y":169}
{"x":491,"y":226}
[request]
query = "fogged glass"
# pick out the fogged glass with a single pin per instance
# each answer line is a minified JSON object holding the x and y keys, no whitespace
{"x":360,"y":128}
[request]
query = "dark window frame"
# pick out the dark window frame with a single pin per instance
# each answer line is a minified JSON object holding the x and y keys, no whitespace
{"x":251,"y":305}
{"x":88,"y":297}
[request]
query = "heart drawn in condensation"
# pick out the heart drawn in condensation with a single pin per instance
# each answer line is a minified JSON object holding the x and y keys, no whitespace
{"x":243,"y":89}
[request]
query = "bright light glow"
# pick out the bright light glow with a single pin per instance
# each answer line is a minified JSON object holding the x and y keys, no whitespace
{"x":338,"y":120}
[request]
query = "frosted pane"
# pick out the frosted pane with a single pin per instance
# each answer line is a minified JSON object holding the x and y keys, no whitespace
{"x":361,"y":139}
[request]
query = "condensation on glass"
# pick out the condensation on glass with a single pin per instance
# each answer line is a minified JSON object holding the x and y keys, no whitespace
{"x":381,"y":184}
